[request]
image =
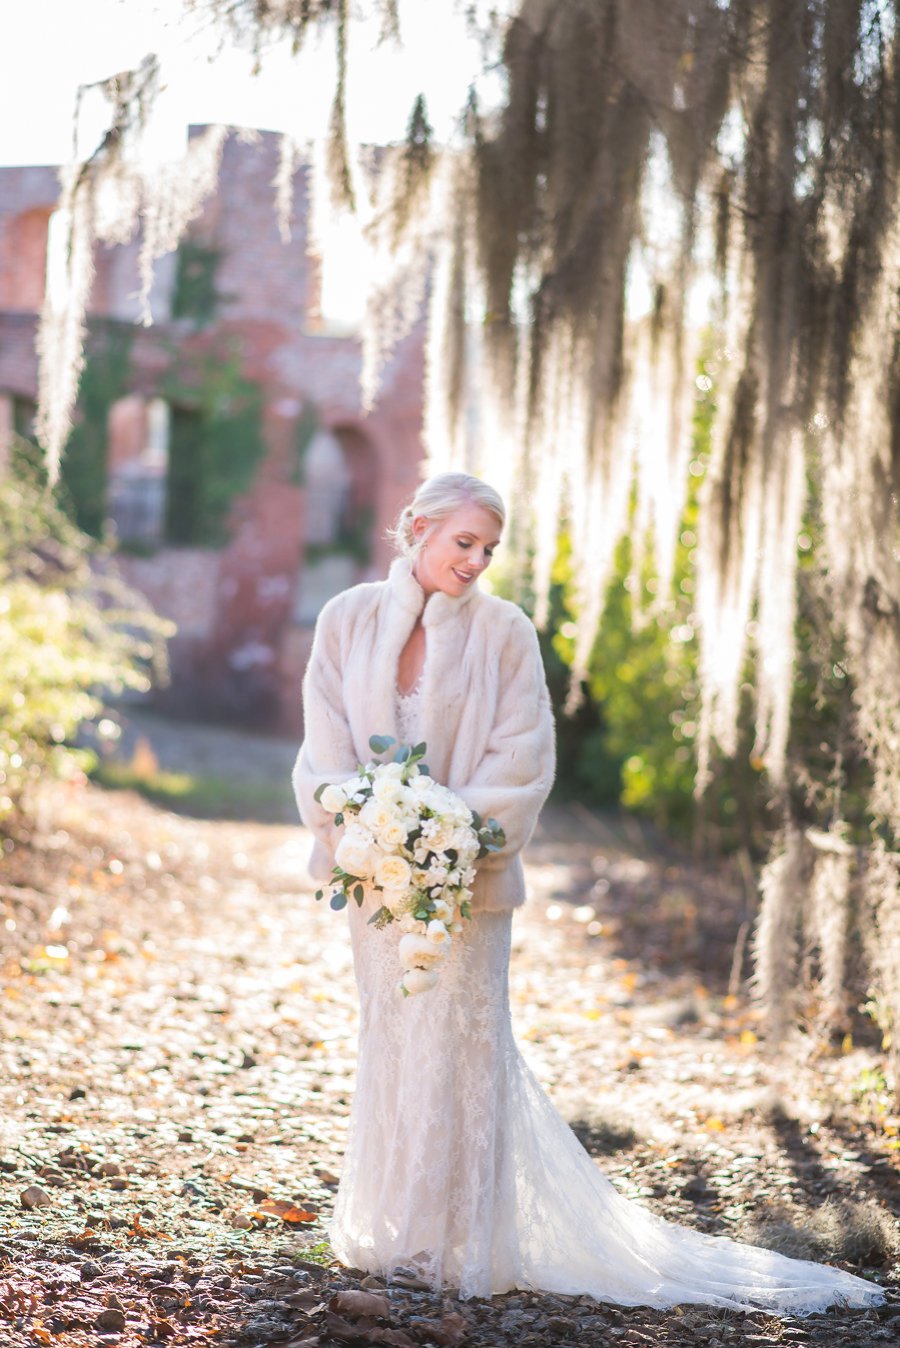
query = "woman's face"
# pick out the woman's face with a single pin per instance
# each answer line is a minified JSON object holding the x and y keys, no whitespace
{"x":458,"y":550}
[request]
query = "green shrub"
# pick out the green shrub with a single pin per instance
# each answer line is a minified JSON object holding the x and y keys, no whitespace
{"x":72,"y":634}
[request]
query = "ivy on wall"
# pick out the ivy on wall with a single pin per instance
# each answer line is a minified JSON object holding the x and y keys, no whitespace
{"x":215,"y":447}
{"x":83,"y":474}
{"x":195,"y":295}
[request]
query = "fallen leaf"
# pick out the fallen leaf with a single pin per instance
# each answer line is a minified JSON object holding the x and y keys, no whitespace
{"x":449,"y":1331}
{"x":395,"y":1338}
{"x":339,"y":1328}
{"x":288,"y":1212}
{"x":162,"y":1329}
{"x":351,"y":1302}
{"x":309,"y":1300}
{"x":34,"y":1197}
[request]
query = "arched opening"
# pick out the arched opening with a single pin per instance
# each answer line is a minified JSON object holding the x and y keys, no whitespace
{"x":339,"y":476}
{"x":138,"y":467}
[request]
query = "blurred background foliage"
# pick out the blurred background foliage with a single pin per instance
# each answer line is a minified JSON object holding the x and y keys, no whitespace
{"x":72,"y":635}
{"x":631,"y":741}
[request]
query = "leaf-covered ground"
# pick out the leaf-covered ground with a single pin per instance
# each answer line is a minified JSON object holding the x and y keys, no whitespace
{"x":179,"y":1025}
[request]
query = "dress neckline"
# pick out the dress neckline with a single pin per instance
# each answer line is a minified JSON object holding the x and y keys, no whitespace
{"x":414,"y":691}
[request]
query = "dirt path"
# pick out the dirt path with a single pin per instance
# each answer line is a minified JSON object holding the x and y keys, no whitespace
{"x":179,"y":1024}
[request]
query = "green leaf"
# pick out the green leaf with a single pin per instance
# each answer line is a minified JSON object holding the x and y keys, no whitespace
{"x":338,"y":901}
{"x":402,"y":754}
{"x":339,"y":819}
{"x":320,"y":893}
{"x":379,"y":744}
{"x":319,"y":789}
{"x":420,"y":749}
{"x":359,"y":893}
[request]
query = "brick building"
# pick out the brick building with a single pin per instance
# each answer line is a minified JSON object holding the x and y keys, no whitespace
{"x":235,"y":309}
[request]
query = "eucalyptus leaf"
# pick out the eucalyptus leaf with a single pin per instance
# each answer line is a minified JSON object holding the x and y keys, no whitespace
{"x":379,"y":744}
{"x":338,"y":901}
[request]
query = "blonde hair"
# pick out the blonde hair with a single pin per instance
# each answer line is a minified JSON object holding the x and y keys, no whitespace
{"x":437,"y":498}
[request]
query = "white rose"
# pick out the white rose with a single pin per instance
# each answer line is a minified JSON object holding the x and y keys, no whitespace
{"x":419,"y":980}
{"x":387,"y":789}
{"x":421,"y":784}
{"x":392,"y":872}
{"x":333,"y":799}
{"x":354,"y":786}
{"x":390,"y":770}
{"x":375,"y":815}
{"x":392,"y":834}
{"x":415,"y":950}
{"x":437,"y":932}
{"x":356,"y":854}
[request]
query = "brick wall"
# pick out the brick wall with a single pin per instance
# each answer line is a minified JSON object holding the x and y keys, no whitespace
{"x":239,"y":653}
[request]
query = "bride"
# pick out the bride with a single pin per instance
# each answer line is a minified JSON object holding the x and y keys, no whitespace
{"x":458,"y":1167}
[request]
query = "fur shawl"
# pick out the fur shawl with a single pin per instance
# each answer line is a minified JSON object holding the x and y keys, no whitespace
{"x":485,"y":711}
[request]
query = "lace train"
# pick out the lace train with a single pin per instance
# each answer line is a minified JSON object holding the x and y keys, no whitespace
{"x":458,"y":1163}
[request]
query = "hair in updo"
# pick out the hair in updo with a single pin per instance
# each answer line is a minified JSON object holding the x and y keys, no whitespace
{"x":437,"y":498}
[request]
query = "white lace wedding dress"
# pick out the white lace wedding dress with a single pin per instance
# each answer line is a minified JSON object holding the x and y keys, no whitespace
{"x":459,"y":1166}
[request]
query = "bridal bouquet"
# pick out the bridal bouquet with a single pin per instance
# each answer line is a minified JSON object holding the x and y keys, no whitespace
{"x":413,"y":844}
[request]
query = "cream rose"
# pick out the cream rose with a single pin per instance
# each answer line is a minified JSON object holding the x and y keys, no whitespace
{"x":392,"y":834}
{"x":419,"y":980}
{"x":356,"y":854}
{"x":437,"y":933}
{"x":415,"y":950}
{"x":392,"y":872}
